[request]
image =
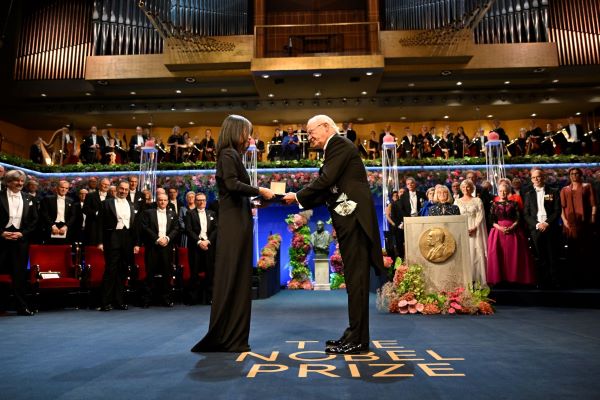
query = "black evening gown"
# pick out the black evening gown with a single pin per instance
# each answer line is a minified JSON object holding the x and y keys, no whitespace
{"x":229,"y":327}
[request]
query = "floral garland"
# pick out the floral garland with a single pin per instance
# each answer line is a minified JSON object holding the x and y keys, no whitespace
{"x":406,"y":295}
{"x":336,"y":265}
{"x":269,"y":252}
{"x":299,"y":248}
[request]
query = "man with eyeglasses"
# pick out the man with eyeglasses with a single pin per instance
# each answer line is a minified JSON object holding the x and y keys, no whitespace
{"x":542,"y":213}
{"x":342,"y":185}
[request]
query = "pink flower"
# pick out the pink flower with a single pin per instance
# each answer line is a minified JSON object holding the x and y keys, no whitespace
{"x":451,"y":311}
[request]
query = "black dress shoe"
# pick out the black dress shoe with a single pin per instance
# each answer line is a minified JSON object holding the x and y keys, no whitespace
{"x":122,"y":307}
{"x":25,"y":312}
{"x":348,"y":348}
{"x":104,"y":308}
{"x":334,"y":343}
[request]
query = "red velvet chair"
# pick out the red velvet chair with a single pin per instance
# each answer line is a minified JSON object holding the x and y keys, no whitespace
{"x":183,"y":272}
{"x":56,"y":260}
{"x":93,"y":272}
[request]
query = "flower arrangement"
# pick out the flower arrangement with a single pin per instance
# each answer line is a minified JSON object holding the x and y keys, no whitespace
{"x":300,"y":246}
{"x":405,"y":294}
{"x":336,"y":264}
{"x":269,"y":252}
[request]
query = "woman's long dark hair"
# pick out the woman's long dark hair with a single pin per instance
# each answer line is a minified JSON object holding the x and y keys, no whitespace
{"x":234,"y":129}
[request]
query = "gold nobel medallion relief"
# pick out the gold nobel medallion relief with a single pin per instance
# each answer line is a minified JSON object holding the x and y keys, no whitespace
{"x":437,"y":244}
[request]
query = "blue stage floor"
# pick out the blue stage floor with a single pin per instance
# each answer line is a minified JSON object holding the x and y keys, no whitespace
{"x":519,"y":353}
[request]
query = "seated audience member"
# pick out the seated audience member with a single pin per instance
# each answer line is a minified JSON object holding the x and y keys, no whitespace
{"x":509,"y":259}
{"x":443,"y":203}
{"x":541,"y":213}
{"x":289,"y":145}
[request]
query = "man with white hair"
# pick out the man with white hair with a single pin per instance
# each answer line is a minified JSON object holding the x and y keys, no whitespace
{"x":18,"y":219}
{"x":342,"y":185}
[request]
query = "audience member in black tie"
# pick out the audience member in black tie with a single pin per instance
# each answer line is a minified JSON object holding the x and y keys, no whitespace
{"x":31,"y":188}
{"x":35,"y":152}
{"x":78,"y":232}
{"x":117,"y":217}
{"x":355,"y":222}
{"x":174,"y":202}
{"x":542,"y":214}
{"x":2,"y":172}
{"x":408,"y":145}
{"x":207,"y":146}
{"x":136,"y":197}
{"x":411,"y":201}
{"x":201,"y":230}
{"x":91,"y":209}
{"x":136,"y":143}
{"x":92,"y":184}
{"x":260,"y":145}
{"x":92,"y":147}
{"x":159,"y":230}
{"x":57,"y":216}
{"x":535,"y":136}
{"x":18,"y":219}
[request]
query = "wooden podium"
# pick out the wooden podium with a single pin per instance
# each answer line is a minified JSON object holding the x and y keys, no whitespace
{"x":441,"y":246}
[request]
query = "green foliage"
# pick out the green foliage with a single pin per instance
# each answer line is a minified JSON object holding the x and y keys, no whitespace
{"x":300,"y":272}
{"x":336,"y":280}
{"x":413,"y":282}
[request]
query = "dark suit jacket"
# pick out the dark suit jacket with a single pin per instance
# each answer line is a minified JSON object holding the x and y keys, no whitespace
{"x":404,"y":204}
{"x":133,"y":142}
{"x":108,"y":221}
{"x":344,"y":172}
{"x":149,"y":227}
{"x":139,"y":202}
{"x":29,"y":217}
{"x":551,"y":205}
{"x":91,"y":209}
{"x":192,"y":227}
{"x":48,"y":211}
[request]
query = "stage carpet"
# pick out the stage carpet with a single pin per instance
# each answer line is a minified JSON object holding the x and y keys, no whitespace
{"x":519,"y":353}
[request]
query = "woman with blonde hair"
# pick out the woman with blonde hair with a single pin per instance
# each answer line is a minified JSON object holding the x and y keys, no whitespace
{"x":472,"y":207}
{"x":443,"y":202}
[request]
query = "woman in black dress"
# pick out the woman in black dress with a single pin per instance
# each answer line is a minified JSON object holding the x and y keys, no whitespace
{"x":231,"y":305}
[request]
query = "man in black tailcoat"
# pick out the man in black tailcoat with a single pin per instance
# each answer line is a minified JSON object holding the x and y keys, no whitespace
{"x":18,"y":219}
{"x":159,"y":231}
{"x":91,"y":208}
{"x":57,"y":216}
{"x":542,"y":212}
{"x":116,"y":217}
{"x":201,"y":230}
{"x":342,"y":185}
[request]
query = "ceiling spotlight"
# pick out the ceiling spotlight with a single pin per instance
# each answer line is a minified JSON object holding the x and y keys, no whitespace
{"x":187,"y":109}
{"x":446,"y":73}
{"x":132,"y":105}
{"x":275,"y":121}
{"x":459,"y":83}
{"x":403,"y":118}
{"x":178,"y":91}
{"x":133,"y":117}
{"x":507,"y":82}
{"x":150,"y":124}
{"x":223,"y":90}
{"x":271,"y":95}
{"x":317,"y":74}
{"x":190,"y":79}
{"x":534,"y":115}
{"x":368,"y":73}
{"x":446,"y":116}
{"x":555,"y":81}
{"x":191,"y":122}
{"x":317,"y":93}
{"x":360,"y":119}
{"x":344,"y":100}
{"x":363,"y":93}
{"x":172,"y":108}
{"x":108,"y":124}
{"x":88,"y":94}
{"x":411,"y":84}
{"x":490,"y":116}
{"x":43,"y":94}
{"x":265,"y":76}
{"x":577,"y":113}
